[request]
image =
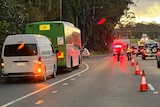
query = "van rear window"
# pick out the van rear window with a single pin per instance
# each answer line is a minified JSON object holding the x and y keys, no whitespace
{"x":25,"y":50}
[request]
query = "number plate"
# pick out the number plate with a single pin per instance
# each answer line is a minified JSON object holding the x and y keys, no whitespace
{"x":21,"y":64}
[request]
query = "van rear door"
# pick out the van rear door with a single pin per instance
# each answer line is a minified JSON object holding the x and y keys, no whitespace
{"x":20,"y":58}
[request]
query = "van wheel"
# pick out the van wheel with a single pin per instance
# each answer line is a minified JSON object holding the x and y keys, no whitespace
{"x":7,"y":79}
{"x":43,"y":78}
{"x":54,"y":74}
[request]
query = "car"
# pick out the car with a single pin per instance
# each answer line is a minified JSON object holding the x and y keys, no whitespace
{"x":139,"y":50}
{"x":85,"y":52}
{"x":150,"y":50}
{"x":134,"y":49}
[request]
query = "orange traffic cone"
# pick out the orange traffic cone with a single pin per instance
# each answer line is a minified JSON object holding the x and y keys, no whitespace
{"x":137,"y":71}
{"x":144,"y":85}
{"x":132,"y":62}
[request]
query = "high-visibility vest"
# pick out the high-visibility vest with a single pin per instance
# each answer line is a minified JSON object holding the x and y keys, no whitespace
{"x":128,"y":49}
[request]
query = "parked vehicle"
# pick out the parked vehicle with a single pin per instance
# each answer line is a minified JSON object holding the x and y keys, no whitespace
{"x":85,"y":52}
{"x":28,"y":56}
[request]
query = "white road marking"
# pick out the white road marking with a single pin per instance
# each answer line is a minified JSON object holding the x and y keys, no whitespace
{"x":72,"y":79}
{"x":151,"y":87}
{"x":156,"y":92}
{"x":44,"y":88}
{"x":39,"y":102}
{"x":55,"y":91}
{"x":65,"y":83}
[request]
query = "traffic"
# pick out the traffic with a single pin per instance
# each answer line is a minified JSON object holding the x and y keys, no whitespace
{"x":79,"y":53}
{"x":32,"y":55}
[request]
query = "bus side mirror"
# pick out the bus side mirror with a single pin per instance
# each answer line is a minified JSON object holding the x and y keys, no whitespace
{"x":57,"y":51}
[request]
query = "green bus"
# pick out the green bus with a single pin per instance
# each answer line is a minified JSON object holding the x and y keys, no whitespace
{"x":65,"y":37}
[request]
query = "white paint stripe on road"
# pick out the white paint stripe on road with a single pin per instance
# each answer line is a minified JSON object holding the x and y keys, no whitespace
{"x":65,"y":83}
{"x":72,"y":79}
{"x":151,"y":87}
{"x":39,"y":102}
{"x":55,"y":91}
{"x":37,"y":91}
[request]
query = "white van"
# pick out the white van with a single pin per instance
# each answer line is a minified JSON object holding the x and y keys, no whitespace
{"x":28,"y":55}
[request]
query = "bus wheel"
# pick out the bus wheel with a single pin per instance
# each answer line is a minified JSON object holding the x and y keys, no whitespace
{"x":71,"y":62}
{"x":71,"y":68}
{"x":79,"y":60}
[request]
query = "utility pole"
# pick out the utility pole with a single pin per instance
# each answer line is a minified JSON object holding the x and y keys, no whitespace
{"x":60,"y":10}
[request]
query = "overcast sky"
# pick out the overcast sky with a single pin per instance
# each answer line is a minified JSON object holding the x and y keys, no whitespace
{"x":147,"y":10}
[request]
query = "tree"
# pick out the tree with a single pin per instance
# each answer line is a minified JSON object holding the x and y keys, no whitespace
{"x":11,"y":19}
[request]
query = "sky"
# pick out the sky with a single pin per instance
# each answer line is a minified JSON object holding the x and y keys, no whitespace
{"x":146,"y":10}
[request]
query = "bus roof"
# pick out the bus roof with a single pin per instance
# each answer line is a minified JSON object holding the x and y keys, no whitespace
{"x":63,"y":22}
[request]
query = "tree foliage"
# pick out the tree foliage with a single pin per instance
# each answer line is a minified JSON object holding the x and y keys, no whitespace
{"x":14,"y":14}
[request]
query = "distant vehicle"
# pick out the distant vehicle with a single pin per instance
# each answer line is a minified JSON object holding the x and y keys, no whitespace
{"x":118,"y":48}
{"x":120,"y":43}
{"x":150,"y":50}
{"x":134,"y":49}
{"x":28,"y":56}
{"x":85,"y":52}
{"x":65,"y":37}
{"x":158,"y":58}
{"x":139,"y":50}
{"x":144,"y":38}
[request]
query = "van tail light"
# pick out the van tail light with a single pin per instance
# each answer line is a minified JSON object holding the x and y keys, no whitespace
{"x":39,"y":70}
{"x":2,"y":63}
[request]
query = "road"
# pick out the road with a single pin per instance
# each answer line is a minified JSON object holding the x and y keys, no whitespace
{"x":101,"y":81}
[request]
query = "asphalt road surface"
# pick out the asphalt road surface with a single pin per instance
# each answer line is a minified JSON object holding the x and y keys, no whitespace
{"x":101,"y":81}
